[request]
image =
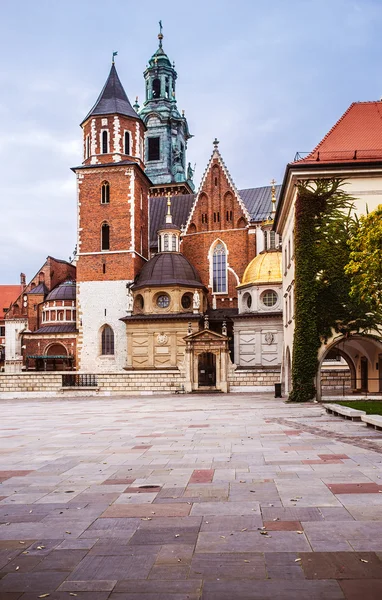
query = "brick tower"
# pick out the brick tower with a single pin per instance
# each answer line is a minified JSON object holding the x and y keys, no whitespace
{"x":112,"y":243}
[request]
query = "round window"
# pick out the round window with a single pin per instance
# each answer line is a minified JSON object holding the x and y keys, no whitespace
{"x":249,"y":300}
{"x":269,"y":298}
{"x":163,"y":301}
{"x":186,"y":301}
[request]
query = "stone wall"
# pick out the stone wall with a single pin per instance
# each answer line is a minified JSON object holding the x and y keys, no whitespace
{"x":128,"y":382}
{"x":254,"y":380}
{"x":334,"y":380}
{"x":50,"y":384}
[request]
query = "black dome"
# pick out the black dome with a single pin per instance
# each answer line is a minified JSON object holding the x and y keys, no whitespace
{"x":64,"y":291}
{"x":168,"y":268}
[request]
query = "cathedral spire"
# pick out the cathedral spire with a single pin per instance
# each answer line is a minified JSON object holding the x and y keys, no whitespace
{"x":113,"y":98}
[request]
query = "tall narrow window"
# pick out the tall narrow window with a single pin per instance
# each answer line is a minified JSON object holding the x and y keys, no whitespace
{"x":219,"y":269}
{"x":173,"y":243}
{"x":265,"y":240}
{"x":272,"y":236}
{"x":156,"y":88}
{"x":153,"y":148}
{"x":165,"y":247}
{"x":87,"y":146}
{"x":105,"y":237}
{"x":127,"y":142}
{"x":105,"y":142}
{"x":107,"y":340}
{"x":105,"y":193}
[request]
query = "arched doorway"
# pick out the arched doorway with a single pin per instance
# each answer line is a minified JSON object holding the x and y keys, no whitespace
{"x":206,"y":369}
{"x":353,"y":365}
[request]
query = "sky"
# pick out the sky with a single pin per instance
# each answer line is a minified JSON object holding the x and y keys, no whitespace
{"x":268,"y":79}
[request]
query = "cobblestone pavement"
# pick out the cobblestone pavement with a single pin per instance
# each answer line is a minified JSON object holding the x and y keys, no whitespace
{"x":208,"y":497}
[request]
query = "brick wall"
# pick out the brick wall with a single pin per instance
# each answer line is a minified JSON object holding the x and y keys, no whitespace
{"x":126,"y":211}
{"x":218,"y":215}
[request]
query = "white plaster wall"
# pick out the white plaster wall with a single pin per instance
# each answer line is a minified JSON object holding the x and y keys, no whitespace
{"x":13,"y":340}
{"x":93,"y":298}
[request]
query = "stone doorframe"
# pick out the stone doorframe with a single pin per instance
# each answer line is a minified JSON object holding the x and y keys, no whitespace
{"x":206,"y":341}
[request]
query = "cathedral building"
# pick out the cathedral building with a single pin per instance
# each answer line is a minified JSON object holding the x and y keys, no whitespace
{"x":163,"y":274}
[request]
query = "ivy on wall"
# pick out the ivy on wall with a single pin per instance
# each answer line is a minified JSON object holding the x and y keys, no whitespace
{"x":323,"y":224}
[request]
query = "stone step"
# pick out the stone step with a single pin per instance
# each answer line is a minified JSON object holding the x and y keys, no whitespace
{"x":373,"y":421}
{"x":344,"y":411}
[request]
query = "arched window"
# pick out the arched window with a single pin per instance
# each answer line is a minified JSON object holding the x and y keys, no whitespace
{"x":156,"y":88}
{"x":41,"y":277}
{"x":219,"y":269}
{"x":105,"y":142}
{"x":107,"y":340}
{"x":105,"y":237}
{"x":265,"y":240}
{"x":127,"y":142}
{"x":105,"y":193}
{"x":173,"y":243}
{"x":165,"y":241}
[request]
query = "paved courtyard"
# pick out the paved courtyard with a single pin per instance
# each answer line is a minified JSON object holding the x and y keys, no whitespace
{"x":218,"y":497}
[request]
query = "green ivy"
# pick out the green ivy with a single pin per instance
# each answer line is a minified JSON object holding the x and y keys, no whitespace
{"x":323,"y":223}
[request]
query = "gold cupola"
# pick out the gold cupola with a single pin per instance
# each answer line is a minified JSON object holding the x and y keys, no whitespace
{"x":264,"y":268}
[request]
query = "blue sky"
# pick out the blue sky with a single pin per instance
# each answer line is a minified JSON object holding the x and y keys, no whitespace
{"x":267,"y":78}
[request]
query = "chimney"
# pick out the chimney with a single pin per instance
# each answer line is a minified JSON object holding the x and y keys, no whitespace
{"x":22,"y":280}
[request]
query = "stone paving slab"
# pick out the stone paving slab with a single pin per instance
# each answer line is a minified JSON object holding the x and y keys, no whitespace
{"x":195,"y":497}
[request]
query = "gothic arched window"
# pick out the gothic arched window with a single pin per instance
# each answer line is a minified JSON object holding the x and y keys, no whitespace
{"x":219,"y":269}
{"x":105,"y":142}
{"x":127,"y":143}
{"x":105,"y":193}
{"x":105,"y":237}
{"x":107,"y":340}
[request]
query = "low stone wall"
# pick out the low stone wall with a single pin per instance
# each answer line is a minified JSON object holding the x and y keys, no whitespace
{"x":50,"y":384}
{"x":335,"y":379}
{"x":45,"y":384}
{"x":254,"y":380}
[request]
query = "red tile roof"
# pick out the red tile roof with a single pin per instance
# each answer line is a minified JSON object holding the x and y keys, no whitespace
{"x":8,"y":294}
{"x":357,"y":136}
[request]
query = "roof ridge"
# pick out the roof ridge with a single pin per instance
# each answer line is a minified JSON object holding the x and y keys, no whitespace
{"x":315,"y":149}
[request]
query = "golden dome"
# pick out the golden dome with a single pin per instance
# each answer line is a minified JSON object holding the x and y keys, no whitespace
{"x":264,"y":268}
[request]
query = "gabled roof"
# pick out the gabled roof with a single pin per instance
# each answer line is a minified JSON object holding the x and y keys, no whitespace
{"x":112,"y":99}
{"x":8,"y":295}
{"x":216,"y":156}
{"x":257,"y":200}
{"x":357,"y":136}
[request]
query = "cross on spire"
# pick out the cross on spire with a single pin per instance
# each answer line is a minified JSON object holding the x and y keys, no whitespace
{"x":160,"y":34}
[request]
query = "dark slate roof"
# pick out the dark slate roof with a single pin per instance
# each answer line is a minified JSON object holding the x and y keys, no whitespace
{"x":258,"y":202}
{"x":68,"y":328}
{"x":168,"y":268}
{"x":113,"y":99}
{"x":180,"y":209}
{"x":39,"y":289}
{"x":64,"y":291}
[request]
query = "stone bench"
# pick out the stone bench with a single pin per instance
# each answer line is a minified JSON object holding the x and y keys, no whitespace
{"x":345,"y":411}
{"x":373,"y":421}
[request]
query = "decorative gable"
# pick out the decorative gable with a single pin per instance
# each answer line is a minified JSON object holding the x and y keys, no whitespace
{"x":218,"y":205}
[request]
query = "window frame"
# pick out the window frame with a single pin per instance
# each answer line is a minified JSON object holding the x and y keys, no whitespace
{"x":126,"y":136}
{"x":103,"y":228}
{"x":150,"y":149}
{"x":105,"y":193}
{"x":219,"y":282}
{"x":105,"y":131}
{"x":107,"y":341}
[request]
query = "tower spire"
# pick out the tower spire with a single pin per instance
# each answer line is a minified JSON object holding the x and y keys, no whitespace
{"x":273,"y":184}
{"x":169,"y":215}
{"x":160,"y":34}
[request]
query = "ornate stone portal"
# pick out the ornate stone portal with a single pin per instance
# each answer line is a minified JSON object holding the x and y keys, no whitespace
{"x":207,"y":361}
